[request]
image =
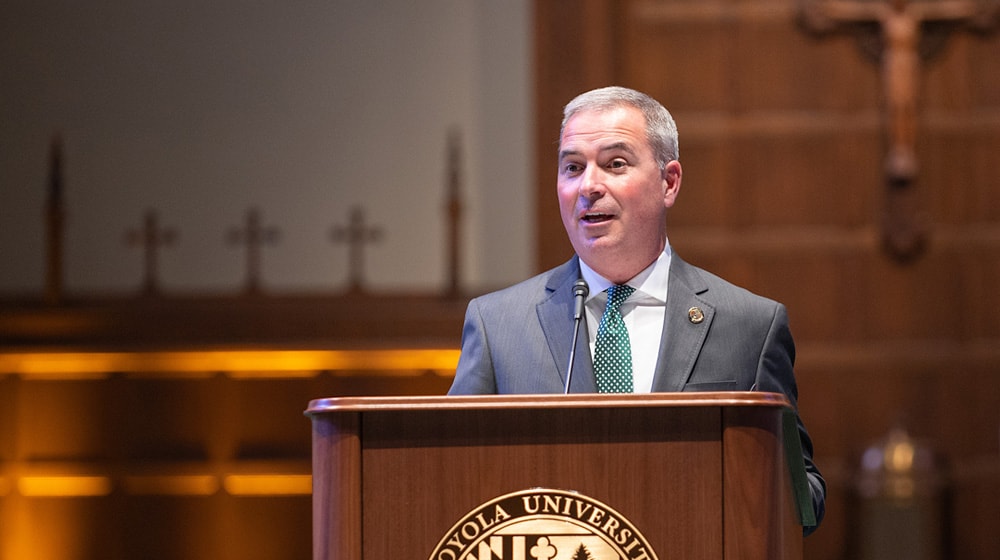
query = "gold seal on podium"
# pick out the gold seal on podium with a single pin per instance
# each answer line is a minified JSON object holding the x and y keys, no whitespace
{"x":543,"y":524}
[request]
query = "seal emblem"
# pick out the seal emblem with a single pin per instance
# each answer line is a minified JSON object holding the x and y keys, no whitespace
{"x":543,"y":524}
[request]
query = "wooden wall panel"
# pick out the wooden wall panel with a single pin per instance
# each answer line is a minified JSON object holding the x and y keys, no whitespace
{"x":167,"y":418}
{"x":54,"y":410}
{"x":711,"y":56}
{"x":782,"y":145}
{"x":952,"y":409}
{"x":157,"y":463}
{"x":959,"y":169}
{"x":8,"y":421}
{"x":776,"y":171}
{"x":687,"y":64}
{"x":168,"y":527}
{"x":965,"y":75}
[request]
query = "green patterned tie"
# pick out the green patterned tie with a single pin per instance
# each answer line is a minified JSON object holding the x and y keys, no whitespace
{"x":612,"y":352}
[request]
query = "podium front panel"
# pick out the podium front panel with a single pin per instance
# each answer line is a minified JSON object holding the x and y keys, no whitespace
{"x":660,"y":465}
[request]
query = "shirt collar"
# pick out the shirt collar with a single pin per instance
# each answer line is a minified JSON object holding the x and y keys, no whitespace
{"x":650,"y":283}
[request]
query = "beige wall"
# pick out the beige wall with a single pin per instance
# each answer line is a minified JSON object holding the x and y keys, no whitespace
{"x":202,"y":110}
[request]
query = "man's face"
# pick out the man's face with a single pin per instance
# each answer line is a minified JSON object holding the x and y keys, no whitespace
{"x":613,"y":196}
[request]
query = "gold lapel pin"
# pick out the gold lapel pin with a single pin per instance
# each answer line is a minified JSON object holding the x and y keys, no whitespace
{"x":696,"y":315}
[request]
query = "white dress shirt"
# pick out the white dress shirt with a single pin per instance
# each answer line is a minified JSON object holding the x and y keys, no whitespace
{"x":643,"y":313}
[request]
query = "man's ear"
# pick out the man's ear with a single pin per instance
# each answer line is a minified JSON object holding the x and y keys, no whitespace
{"x":671,"y":182}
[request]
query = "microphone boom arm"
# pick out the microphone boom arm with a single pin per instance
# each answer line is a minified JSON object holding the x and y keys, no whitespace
{"x":580,"y":291}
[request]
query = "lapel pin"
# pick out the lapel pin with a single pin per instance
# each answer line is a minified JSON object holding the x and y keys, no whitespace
{"x":696,"y":315}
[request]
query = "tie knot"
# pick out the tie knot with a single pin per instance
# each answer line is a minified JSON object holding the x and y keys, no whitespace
{"x":617,"y":295}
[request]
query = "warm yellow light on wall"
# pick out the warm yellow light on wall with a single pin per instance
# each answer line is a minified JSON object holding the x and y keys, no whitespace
{"x":64,"y":486}
{"x":235,"y":363}
{"x":59,"y":365}
{"x":272,"y":374}
{"x":172,"y":485}
{"x":4,"y":486}
{"x":268,"y":484}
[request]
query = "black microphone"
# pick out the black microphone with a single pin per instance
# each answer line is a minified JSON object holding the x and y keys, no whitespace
{"x":580,"y":291}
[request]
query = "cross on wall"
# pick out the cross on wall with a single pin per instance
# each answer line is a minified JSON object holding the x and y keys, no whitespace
{"x":253,"y":235}
{"x":900,"y":36}
{"x":356,"y":234}
{"x":150,"y":238}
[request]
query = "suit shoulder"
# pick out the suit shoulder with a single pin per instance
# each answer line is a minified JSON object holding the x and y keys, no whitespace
{"x":525,"y":289}
{"x":723,"y":292}
{"x":533,"y":289}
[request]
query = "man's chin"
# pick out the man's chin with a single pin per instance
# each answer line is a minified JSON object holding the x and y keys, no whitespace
{"x":596,"y":249}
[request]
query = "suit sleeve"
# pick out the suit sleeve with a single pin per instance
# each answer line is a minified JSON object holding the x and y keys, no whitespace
{"x":474,"y":374}
{"x":775,"y":374}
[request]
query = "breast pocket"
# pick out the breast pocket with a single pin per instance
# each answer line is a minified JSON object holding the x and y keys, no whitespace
{"x":712,"y":386}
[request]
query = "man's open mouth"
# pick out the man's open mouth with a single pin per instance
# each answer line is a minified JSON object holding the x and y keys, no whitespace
{"x":596,"y":217}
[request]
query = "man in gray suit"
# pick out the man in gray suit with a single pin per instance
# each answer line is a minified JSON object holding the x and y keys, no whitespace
{"x":672,"y":326}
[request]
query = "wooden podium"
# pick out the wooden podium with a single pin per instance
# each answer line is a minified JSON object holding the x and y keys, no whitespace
{"x":699,"y":475}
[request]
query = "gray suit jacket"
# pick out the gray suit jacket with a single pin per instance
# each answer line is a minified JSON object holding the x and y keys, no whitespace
{"x":517,"y":341}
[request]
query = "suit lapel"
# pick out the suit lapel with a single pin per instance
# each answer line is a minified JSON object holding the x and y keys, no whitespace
{"x":682,"y":339}
{"x":555,"y":314}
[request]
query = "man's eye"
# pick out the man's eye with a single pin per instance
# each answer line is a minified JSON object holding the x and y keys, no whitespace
{"x":571,"y":168}
{"x":617,"y":164}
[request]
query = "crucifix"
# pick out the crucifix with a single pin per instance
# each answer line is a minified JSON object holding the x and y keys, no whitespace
{"x":253,"y":235}
{"x":150,"y":238}
{"x":900,"y":26}
{"x":356,"y":234}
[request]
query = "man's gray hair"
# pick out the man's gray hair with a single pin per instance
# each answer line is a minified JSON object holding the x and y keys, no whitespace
{"x":661,"y":131}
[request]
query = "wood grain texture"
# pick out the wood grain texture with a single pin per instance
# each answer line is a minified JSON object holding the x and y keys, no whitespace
{"x":781,"y":139}
{"x":657,"y":460}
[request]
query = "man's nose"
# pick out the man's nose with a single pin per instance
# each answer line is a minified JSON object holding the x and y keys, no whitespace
{"x":591,"y":182}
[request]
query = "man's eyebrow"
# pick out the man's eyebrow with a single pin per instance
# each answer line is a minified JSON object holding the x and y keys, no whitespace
{"x":617,"y":146}
{"x":563,"y":154}
{"x":623,"y":146}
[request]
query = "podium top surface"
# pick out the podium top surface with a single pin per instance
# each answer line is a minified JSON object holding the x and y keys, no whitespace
{"x":575,"y":400}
